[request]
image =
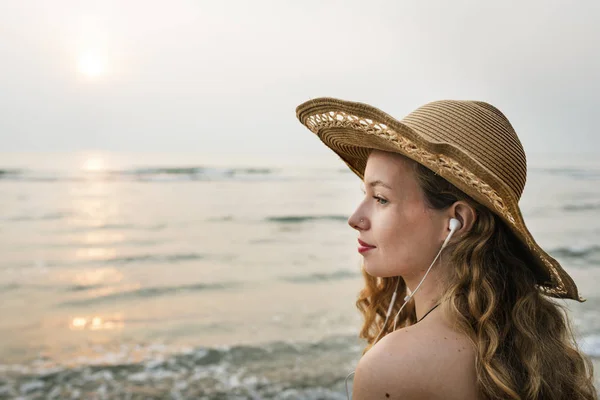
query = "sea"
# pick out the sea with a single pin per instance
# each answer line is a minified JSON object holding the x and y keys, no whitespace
{"x":165,"y":276}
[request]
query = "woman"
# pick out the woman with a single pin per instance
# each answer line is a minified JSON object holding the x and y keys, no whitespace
{"x":440,"y":230}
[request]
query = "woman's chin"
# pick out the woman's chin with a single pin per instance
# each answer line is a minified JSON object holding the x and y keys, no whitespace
{"x":377,"y":271}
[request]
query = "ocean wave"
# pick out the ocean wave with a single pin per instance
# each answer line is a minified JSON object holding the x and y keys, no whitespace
{"x":43,"y":217}
{"x":577,"y":173}
{"x":294,"y":219}
{"x":112,"y":226}
{"x":225,"y":218}
{"x":8,"y":172}
{"x":168,"y":258}
{"x":320,"y":277}
{"x":7,"y":287}
{"x":28,"y":286}
{"x":155,"y":291}
{"x":577,"y":253}
{"x":113,"y":244}
{"x":120,"y":260}
{"x":198,"y":171}
{"x":582,"y":207}
{"x":276,"y":370}
{"x":279,"y":370}
{"x":31,"y":176}
{"x":82,"y":288}
{"x":143,"y":174}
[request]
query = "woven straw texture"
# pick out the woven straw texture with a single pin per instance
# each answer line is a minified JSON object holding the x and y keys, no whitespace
{"x":469,"y":143}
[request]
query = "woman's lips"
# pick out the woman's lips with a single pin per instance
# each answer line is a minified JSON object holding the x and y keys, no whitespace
{"x":364,"y":246}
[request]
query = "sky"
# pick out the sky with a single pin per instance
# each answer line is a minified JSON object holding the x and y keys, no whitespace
{"x":225,"y":77}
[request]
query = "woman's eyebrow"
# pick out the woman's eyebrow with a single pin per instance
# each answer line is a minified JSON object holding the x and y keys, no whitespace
{"x":379,"y":183}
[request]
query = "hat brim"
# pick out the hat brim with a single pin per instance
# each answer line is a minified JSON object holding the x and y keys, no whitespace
{"x":352,"y":130}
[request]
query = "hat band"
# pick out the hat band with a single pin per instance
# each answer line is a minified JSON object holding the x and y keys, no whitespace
{"x":436,"y":162}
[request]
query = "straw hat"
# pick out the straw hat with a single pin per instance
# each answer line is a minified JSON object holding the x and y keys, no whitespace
{"x":469,"y":143}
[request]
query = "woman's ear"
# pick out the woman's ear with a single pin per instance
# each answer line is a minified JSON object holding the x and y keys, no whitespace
{"x":465,"y":213}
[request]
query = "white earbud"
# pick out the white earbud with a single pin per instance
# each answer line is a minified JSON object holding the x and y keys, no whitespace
{"x":454,"y":224}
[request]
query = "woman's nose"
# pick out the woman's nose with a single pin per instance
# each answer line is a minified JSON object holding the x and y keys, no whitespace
{"x":356,"y":222}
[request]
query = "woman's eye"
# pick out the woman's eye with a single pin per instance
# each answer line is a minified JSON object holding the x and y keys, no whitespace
{"x":380,"y":200}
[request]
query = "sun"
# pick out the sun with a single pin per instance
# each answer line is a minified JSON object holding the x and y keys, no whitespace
{"x":94,"y":164}
{"x":91,"y":64}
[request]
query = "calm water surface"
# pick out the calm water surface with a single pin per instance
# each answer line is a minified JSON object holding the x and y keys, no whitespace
{"x":206,"y":281}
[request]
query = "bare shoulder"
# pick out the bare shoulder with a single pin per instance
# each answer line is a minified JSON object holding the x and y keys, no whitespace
{"x":424,"y":361}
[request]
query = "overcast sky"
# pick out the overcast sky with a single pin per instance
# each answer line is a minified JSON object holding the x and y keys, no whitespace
{"x":226,"y":76}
